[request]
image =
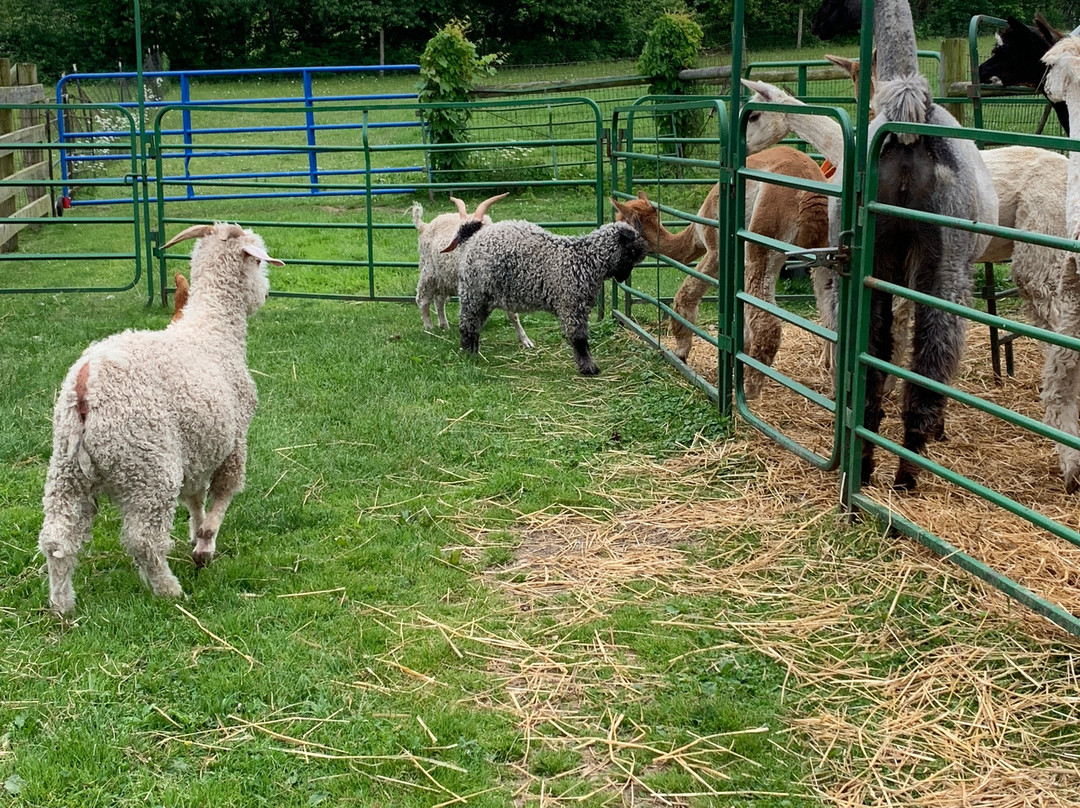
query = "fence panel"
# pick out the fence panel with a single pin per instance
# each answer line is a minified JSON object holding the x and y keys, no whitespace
{"x":372,"y":160}
{"x":1010,"y":492}
{"x":107,"y":254}
{"x":677,"y":172}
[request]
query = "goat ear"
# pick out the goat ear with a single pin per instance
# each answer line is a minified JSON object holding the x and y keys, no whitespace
{"x":258,"y":252}
{"x":998,"y":40}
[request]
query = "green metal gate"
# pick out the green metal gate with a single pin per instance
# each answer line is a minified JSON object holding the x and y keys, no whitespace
{"x":858,"y":210}
{"x":117,"y":239}
{"x":528,"y":145}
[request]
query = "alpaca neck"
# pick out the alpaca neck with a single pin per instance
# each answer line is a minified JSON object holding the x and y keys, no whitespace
{"x":824,"y":134}
{"x":1072,"y":204}
{"x":894,"y":35}
{"x":683,"y":246}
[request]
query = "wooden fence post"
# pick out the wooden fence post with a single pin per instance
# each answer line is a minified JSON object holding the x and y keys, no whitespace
{"x":954,"y":68}
{"x":7,"y":159}
{"x":26,"y":75}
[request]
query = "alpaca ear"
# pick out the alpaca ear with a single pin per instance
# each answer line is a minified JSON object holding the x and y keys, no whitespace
{"x":759,"y":87}
{"x":1049,"y":33}
{"x":849,"y":66}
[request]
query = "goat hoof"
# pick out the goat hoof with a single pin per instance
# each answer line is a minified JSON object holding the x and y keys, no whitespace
{"x":589,"y":370}
{"x":201,"y":558}
{"x":1072,"y":483}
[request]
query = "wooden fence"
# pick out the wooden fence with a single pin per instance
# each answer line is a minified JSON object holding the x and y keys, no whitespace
{"x":19,"y":85}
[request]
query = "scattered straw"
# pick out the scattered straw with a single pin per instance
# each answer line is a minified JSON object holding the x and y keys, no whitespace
{"x":1010,"y":460}
{"x":252,"y":662}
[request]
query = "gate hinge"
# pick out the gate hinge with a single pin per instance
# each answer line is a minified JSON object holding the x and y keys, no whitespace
{"x":835,"y":258}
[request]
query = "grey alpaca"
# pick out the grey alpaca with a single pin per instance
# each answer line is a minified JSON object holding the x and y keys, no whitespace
{"x":152,"y":417}
{"x":935,"y":174}
{"x":518,"y":266}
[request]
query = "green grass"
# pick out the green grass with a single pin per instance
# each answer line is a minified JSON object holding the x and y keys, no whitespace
{"x":373,"y":440}
{"x":378,"y":458}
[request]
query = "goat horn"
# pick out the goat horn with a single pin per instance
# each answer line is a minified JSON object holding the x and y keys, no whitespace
{"x":481,"y":209}
{"x":229,"y":231}
{"x":195,"y":231}
{"x":464,"y":211}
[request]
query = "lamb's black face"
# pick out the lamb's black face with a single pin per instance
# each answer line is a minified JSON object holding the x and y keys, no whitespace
{"x":836,"y":17}
{"x":633,"y":247}
{"x":1016,"y":59}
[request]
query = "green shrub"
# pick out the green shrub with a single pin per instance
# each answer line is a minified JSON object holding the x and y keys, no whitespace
{"x":672,"y":45}
{"x":449,"y":70}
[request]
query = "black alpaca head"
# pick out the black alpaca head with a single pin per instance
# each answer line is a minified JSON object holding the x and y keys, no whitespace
{"x":1016,"y":58}
{"x":837,"y":17}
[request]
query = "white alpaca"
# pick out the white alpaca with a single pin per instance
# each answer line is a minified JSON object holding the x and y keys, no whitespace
{"x":1061,"y":374}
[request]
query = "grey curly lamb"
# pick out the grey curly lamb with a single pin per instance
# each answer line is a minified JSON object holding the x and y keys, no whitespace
{"x":519,"y":266}
{"x":152,"y":417}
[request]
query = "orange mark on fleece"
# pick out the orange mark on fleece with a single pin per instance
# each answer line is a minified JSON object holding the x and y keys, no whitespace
{"x":81,"y":405}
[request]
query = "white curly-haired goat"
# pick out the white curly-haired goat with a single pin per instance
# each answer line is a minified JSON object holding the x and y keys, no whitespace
{"x":152,"y":417}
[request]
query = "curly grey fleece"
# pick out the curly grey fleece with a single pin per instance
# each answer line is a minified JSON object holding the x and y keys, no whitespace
{"x":519,"y":267}
{"x":150,"y":417}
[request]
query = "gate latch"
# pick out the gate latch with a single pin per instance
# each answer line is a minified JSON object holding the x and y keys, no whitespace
{"x":835,"y":258}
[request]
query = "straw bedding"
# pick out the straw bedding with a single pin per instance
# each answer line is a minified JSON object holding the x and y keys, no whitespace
{"x":977,"y":703}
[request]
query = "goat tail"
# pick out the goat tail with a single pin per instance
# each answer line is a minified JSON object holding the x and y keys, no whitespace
{"x":417,"y":214}
{"x":78,"y":424}
{"x":906,"y":99}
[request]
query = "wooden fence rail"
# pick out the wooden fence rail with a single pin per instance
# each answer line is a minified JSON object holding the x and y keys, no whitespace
{"x":20,"y":86}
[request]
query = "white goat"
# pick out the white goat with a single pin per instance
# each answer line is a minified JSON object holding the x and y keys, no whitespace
{"x":439,"y":269}
{"x":150,"y":417}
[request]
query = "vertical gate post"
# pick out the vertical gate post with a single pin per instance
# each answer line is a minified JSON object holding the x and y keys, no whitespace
{"x":309,"y":120}
{"x":7,"y":161}
{"x":853,"y":338}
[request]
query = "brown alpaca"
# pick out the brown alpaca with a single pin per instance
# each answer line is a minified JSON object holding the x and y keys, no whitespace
{"x":787,"y":214}
{"x":180,"y":298}
{"x":851,"y":67}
